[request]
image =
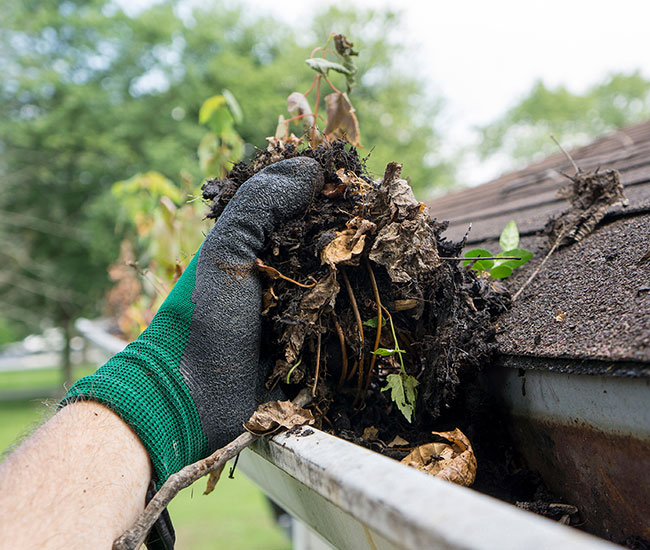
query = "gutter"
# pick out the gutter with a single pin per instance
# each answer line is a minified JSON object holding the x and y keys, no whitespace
{"x":355,"y":498}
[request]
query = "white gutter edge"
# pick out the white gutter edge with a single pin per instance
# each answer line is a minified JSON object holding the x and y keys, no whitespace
{"x":355,"y":498}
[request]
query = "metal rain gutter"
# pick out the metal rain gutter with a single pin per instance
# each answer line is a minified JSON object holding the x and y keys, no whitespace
{"x":358,"y":499}
{"x":588,"y":436}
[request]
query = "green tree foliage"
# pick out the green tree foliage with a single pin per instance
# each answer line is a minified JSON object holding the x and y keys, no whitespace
{"x":523,"y":132}
{"x":91,"y":96}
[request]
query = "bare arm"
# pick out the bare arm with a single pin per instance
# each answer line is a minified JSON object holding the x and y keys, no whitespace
{"x":77,"y":482}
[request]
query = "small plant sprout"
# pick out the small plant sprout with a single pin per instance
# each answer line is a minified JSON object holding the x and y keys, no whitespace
{"x":402,"y":386}
{"x":501,"y":265}
{"x":341,"y":120}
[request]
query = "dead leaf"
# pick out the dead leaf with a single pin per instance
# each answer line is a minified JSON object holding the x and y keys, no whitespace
{"x":269,"y":300}
{"x":333,"y":191}
{"x":406,"y":245}
{"x":341,"y":120}
{"x":343,"y":249}
{"x":213,"y":479}
{"x":370,"y":433}
{"x":406,"y":249}
{"x":273,"y":415}
{"x":453,"y":461}
{"x":398,"y":442}
{"x":319,"y":299}
{"x":404,"y":305}
{"x":298,"y":102}
{"x":560,"y":316}
{"x":590,"y":194}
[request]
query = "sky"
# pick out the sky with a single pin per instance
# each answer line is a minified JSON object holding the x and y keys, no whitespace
{"x":483,"y":56}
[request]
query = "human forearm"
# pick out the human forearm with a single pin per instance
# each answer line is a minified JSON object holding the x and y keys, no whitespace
{"x":77,"y":482}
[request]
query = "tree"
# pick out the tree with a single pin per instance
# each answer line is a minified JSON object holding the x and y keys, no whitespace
{"x":91,"y":96}
{"x":575,"y":119}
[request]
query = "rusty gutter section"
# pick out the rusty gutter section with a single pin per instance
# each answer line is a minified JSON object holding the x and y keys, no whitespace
{"x":588,"y":436}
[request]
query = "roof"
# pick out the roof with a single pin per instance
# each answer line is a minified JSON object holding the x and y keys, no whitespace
{"x":588,"y":308}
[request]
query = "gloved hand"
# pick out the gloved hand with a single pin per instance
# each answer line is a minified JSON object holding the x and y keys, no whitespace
{"x":191,"y":379}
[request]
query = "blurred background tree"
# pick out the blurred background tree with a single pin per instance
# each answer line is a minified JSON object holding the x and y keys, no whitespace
{"x":522,"y":133}
{"x":91,"y":96}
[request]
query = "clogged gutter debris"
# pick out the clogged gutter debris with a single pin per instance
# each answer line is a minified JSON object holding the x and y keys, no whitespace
{"x":361,"y":308}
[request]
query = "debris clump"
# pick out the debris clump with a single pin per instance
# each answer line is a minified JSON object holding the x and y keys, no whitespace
{"x":360,"y":297}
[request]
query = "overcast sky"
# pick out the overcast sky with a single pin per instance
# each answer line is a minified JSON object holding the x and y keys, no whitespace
{"x":485,"y":55}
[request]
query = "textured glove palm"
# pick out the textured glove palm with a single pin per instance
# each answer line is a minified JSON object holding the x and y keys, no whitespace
{"x":191,"y":378}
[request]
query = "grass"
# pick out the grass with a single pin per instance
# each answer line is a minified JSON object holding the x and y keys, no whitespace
{"x":236,"y":515}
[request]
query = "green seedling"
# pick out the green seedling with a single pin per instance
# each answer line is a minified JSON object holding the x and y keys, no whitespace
{"x":402,"y":386}
{"x":513,"y":257}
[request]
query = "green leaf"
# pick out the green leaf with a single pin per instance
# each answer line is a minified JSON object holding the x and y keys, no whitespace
{"x":509,"y":238}
{"x":322,"y":66}
{"x":216,"y":115}
{"x":384,"y":352}
{"x":371,"y":322}
{"x":479,"y":265}
{"x":209,"y":106}
{"x":403,"y":393}
{"x":500,"y":272}
{"x":233,"y":105}
{"x":522,"y":253}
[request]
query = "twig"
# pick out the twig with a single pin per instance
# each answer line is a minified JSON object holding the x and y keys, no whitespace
{"x":567,"y":155}
{"x":353,"y":303}
{"x":275,"y":274}
{"x":344,"y":351}
{"x":375,"y":289}
{"x":314,"y":128}
{"x":357,"y":316}
{"x":482,"y":258}
{"x":134,"y":537}
{"x":313,"y":390}
{"x":534,"y":273}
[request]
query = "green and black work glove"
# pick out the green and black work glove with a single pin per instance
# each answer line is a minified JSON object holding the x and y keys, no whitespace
{"x":190,"y":380}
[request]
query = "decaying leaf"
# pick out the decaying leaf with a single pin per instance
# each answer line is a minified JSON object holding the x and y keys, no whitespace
{"x":398,"y":442}
{"x":342,"y":249}
{"x":405,"y":305}
{"x":590,"y":194}
{"x":407,"y":245}
{"x":213,"y":479}
{"x":297,"y":102}
{"x":273,"y":415}
{"x":341,"y":120}
{"x":370,"y":433}
{"x":453,"y":461}
{"x":319,"y":299}
{"x":560,"y":316}
{"x":406,"y":249}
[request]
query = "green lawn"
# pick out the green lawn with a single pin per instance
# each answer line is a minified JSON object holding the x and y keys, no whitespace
{"x":235,"y":516}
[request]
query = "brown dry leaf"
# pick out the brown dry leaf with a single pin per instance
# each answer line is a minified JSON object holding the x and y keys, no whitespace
{"x":405,"y":305}
{"x":560,"y":316}
{"x":453,"y":462}
{"x":343,"y":249}
{"x":590,"y":194}
{"x":269,"y":300}
{"x":341,"y":120}
{"x":213,"y":479}
{"x":273,"y":415}
{"x":370,"y":433}
{"x":406,"y":249}
{"x":406,"y":245}
{"x":318,"y":299}
{"x":398,"y":442}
